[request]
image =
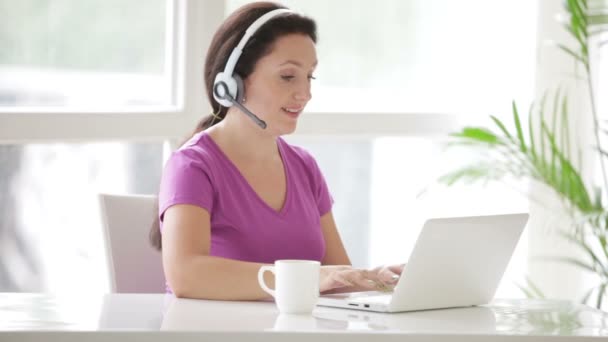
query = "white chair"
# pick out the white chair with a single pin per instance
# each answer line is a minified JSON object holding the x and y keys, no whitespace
{"x":134,"y":265}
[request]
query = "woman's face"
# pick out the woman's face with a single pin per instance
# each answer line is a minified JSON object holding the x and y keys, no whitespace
{"x":278,"y":89}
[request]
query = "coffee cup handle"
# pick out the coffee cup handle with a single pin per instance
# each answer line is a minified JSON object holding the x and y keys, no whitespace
{"x":261,"y":279}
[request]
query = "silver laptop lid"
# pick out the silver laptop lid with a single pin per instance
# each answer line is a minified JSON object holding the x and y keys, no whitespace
{"x":458,"y":262}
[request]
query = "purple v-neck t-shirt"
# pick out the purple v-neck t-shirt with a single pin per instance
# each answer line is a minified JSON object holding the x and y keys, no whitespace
{"x":243,"y":226}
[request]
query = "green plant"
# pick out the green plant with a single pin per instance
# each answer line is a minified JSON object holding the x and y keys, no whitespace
{"x":543,"y":153}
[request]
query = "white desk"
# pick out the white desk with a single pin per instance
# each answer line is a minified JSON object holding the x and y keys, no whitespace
{"x":117,"y":317}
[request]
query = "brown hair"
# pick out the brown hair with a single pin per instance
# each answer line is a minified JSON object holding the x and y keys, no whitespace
{"x":259,"y":45}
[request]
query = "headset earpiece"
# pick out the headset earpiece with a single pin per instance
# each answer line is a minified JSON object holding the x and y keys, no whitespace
{"x":229,"y":84}
{"x":234,"y":85}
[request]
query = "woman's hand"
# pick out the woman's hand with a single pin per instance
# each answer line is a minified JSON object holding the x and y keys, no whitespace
{"x":338,"y":277}
{"x":382,"y":278}
{"x":388,"y":276}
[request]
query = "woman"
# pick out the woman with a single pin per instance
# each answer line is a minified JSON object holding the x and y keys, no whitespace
{"x":236,"y":196}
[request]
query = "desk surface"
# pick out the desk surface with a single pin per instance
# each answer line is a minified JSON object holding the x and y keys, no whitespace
{"x":25,"y":316}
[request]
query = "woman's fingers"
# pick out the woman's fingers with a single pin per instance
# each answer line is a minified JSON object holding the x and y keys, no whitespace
{"x":363,"y":279}
{"x":369,"y":280}
{"x":387,"y":275}
{"x":379,"y":279}
{"x":397,"y":269}
{"x":337,"y":277}
{"x":333,"y":277}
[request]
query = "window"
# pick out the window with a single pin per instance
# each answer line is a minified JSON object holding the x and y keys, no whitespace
{"x":106,"y":70}
{"x":51,"y":229}
{"x":85,"y":54}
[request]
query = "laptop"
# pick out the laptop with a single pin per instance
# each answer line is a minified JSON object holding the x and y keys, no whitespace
{"x":456,"y":262}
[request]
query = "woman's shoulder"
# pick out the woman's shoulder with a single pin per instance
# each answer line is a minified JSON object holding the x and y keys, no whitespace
{"x":301,"y":157}
{"x":188,"y":177}
{"x":298,"y":152}
{"x":194,"y":153}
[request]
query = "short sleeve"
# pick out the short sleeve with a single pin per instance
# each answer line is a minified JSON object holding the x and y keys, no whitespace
{"x":185,"y":180}
{"x":322,"y":195}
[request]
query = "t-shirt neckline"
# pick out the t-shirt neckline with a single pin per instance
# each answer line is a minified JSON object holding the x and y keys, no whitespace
{"x":218,"y":151}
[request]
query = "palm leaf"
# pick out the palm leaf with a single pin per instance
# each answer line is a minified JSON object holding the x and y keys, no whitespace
{"x":572,"y":53}
{"x":603,"y":244}
{"x":477,"y":134}
{"x":597,"y":199}
{"x":520,"y":134}
{"x":568,"y":260}
{"x":597,"y":21}
{"x":602,"y":152}
{"x":600,"y":295}
{"x":552,"y":144}
{"x":526,"y":291}
{"x":535,"y":289}
{"x":565,"y":126}
{"x":543,"y":105}
{"x":581,"y":244}
{"x":574,"y":33}
{"x":471,"y":173}
{"x":502,"y":127}
{"x":587,"y":295}
{"x":531,"y":136}
{"x":578,"y":22}
{"x":530,"y":289}
{"x":578,"y":18}
{"x":570,"y":184}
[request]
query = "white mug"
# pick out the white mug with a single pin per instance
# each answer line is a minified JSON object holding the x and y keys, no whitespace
{"x":296,"y":284}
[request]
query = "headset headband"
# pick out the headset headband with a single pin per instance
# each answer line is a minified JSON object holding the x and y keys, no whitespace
{"x":236,"y":53}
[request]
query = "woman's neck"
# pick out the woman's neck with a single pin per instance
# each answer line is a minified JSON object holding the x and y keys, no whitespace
{"x":240,"y":137}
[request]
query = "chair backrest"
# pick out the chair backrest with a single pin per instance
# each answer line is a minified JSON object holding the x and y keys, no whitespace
{"x":134,"y":265}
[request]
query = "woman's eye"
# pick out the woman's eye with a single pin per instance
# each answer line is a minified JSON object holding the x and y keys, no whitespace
{"x":287,"y":77}
{"x":311,"y":77}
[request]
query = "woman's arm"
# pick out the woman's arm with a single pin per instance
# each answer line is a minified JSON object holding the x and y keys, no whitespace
{"x":381,"y":278}
{"x":193,"y":273}
{"x":189,"y":269}
{"x":335,"y":253}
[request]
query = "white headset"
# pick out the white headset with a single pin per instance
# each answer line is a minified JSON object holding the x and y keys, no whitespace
{"x":227,"y":86}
